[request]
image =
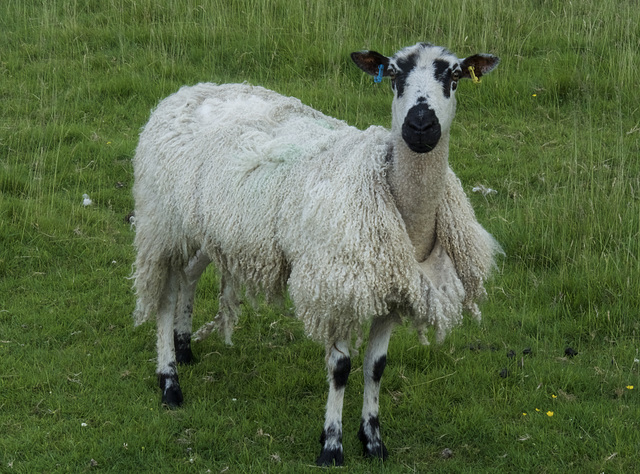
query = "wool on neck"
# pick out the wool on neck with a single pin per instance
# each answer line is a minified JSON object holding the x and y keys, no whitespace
{"x":417,"y":182}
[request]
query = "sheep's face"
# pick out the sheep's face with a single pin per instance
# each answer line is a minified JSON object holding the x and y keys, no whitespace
{"x":424,"y":79}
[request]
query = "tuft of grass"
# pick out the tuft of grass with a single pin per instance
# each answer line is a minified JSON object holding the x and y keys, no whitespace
{"x":555,"y":130}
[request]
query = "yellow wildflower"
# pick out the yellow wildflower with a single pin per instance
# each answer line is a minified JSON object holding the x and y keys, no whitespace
{"x":549,"y":413}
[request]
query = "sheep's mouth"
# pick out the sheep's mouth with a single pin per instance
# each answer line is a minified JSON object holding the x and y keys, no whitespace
{"x":421,"y":129}
{"x":421,"y":143}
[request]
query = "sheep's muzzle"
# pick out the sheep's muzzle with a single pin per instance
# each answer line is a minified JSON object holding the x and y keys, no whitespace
{"x":421,"y":129}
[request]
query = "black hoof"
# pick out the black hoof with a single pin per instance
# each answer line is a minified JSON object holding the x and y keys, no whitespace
{"x":332,"y":453}
{"x":331,"y":457}
{"x":369,"y":436}
{"x":171,"y":393}
{"x":376,"y":451}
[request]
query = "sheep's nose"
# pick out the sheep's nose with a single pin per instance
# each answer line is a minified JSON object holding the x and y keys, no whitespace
{"x":421,"y":118}
{"x":421,"y":129}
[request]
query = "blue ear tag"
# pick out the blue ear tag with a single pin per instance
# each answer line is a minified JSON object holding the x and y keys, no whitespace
{"x":378,"y":78}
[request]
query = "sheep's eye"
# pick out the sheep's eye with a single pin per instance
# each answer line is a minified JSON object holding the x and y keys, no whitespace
{"x":392,"y":75}
{"x":455,"y":76}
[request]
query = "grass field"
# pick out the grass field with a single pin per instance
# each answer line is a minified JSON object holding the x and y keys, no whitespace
{"x":555,"y":130}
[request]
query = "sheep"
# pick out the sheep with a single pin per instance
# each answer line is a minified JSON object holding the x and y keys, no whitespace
{"x":360,"y":226}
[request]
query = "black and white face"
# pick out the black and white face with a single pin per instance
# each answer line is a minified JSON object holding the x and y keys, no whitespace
{"x":424,"y":79}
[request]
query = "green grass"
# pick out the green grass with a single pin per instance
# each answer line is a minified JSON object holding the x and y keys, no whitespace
{"x":555,"y":130}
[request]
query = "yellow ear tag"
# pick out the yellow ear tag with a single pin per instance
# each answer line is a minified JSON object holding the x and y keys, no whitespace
{"x":474,"y":78}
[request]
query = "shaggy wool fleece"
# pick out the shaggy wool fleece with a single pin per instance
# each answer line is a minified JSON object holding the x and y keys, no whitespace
{"x":280,"y":195}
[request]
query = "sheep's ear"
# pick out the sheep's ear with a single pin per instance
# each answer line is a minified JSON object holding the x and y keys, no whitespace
{"x":481,"y":64}
{"x":370,"y":61}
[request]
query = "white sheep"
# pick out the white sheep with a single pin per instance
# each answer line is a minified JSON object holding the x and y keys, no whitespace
{"x":359,"y":225}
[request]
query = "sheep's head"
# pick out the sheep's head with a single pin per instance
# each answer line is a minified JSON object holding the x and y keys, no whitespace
{"x":424,"y":79}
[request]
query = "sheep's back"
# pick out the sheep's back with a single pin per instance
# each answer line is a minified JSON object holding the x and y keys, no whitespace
{"x":277,"y":192}
{"x":215,"y":156}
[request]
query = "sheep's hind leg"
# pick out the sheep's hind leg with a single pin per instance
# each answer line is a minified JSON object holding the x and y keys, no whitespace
{"x":167,"y":372}
{"x":375,"y":361}
{"x":338,"y":368}
{"x":183,"y":321}
{"x":228,"y":308}
{"x":227,"y":317}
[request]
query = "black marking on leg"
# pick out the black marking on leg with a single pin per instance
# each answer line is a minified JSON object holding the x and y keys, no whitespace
{"x":341,"y":372}
{"x":170,"y":386}
{"x":378,"y":368}
{"x":182,"y":343}
{"x":332,"y":452}
{"x":369,"y":436}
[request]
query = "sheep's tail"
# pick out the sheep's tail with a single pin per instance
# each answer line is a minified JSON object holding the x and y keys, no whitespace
{"x":471,"y":248}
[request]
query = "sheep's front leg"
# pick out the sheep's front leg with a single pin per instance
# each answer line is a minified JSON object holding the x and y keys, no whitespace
{"x":167,"y":372}
{"x":184,"y":312}
{"x":375,"y":361}
{"x":338,"y":368}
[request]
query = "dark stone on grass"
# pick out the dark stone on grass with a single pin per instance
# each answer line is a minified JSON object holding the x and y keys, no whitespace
{"x":504,"y":373}
{"x":479,"y":346}
{"x":527,"y":351}
{"x":570,"y":352}
{"x":511,"y":354}
{"x":446,"y":453}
